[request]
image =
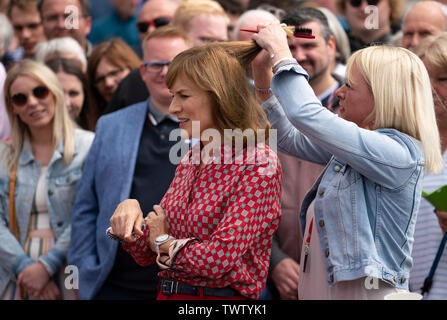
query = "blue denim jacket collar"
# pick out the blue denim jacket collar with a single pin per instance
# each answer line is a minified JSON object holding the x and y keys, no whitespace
{"x":27,"y":156}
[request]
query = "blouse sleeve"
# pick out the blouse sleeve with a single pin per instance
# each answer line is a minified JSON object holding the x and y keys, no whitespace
{"x":249,"y":221}
{"x":140,"y":250}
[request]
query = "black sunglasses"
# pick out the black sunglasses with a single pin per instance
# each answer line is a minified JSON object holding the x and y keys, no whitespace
{"x":357,"y":3}
{"x":20,"y":99}
{"x":157,"y":22}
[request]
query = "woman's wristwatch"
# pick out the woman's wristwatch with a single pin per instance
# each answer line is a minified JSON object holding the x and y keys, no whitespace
{"x":161,"y":239}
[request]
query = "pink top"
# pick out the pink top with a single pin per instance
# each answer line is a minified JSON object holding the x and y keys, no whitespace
{"x":4,"y":122}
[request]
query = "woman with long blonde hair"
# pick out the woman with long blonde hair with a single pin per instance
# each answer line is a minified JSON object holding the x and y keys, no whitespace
{"x":39,"y":170}
{"x":360,"y":215}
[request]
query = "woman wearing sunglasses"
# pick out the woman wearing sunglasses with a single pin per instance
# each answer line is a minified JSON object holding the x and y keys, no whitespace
{"x":366,"y":26}
{"x":40,"y":167}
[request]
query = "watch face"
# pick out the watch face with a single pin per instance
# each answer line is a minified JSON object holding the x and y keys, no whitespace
{"x":162,"y":238}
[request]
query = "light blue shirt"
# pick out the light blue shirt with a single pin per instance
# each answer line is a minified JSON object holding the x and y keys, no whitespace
{"x":367,"y":198}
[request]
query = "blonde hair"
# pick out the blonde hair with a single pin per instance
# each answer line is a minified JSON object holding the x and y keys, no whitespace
{"x":434,"y":50}
{"x":189,"y":9}
{"x":233,"y":102}
{"x":63,"y":126}
{"x":402,"y":96}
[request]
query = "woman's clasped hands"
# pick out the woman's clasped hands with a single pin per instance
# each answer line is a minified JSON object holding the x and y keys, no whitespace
{"x":127,"y":222}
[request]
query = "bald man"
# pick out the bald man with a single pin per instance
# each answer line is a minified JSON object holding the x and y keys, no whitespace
{"x":423,"y":19}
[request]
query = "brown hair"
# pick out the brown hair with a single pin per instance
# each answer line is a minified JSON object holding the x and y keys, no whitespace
{"x":89,"y":111}
{"x":117,"y":53}
{"x":234,"y":103}
{"x":25,"y":5}
{"x":84,"y":6}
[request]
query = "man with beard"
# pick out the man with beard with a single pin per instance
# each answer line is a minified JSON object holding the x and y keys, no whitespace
{"x":314,"y":55}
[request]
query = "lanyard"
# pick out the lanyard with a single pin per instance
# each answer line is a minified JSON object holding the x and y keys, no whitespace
{"x":307,"y":244}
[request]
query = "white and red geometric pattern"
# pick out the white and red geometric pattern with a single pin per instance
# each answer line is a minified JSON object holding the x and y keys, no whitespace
{"x":230,"y":212}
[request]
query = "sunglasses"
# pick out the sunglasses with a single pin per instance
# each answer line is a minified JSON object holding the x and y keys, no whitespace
{"x":357,"y":3}
{"x":157,"y":22}
{"x":20,"y":99}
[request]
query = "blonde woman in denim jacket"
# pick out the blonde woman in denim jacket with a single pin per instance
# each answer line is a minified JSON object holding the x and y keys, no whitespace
{"x":49,"y":152}
{"x":364,"y":204}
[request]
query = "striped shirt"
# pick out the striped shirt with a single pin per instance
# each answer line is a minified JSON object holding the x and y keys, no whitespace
{"x":427,"y":237}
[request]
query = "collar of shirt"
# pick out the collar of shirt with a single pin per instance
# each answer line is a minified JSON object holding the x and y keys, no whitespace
{"x":328,"y":92}
{"x":156,"y":116}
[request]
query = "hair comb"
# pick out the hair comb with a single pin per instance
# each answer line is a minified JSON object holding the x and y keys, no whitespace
{"x":292,"y":30}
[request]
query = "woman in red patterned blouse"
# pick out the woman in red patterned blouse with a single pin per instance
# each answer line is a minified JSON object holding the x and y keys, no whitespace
{"x":212,"y":230}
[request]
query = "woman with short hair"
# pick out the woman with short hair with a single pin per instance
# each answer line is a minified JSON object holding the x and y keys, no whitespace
{"x":213,"y":229}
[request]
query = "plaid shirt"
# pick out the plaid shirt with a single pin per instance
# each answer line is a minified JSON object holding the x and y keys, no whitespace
{"x":224,"y":217}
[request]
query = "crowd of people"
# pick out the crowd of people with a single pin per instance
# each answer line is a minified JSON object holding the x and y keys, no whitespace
{"x":212,"y":149}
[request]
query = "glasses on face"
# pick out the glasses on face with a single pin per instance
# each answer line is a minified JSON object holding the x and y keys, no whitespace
{"x":357,"y":3}
{"x":20,"y":99}
{"x":157,"y":22}
{"x":112,"y":74}
{"x":155,"y":66}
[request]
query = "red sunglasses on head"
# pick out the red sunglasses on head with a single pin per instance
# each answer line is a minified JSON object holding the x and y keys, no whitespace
{"x":157,"y":22}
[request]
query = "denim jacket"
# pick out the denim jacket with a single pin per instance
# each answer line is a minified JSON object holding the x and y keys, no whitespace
{"x":367,"y":197}
{"x":62,"y":183}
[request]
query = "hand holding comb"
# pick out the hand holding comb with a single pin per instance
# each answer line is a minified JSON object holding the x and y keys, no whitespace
{"x":291,"y":31}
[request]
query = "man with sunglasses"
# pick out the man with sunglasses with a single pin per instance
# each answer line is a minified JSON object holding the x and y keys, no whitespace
{"x":424,"y":19}
{"x":27,"y":24}
{"x":361,"y":22}
{"x":120,"y":23}
{"x":153,"y":14}
{"x":129,"y":158}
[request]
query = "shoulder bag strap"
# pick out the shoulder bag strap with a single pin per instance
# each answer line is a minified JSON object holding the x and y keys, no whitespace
{"x":13,"y":227}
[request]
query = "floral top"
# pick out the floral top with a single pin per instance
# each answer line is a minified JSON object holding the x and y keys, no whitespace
{"x":223,"y":218}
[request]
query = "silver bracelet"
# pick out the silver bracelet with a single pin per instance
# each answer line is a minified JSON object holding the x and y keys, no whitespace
{"x":262,"y":90}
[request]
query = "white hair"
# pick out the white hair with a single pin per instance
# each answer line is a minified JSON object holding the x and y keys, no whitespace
{"x":60,"y":46}
{"x":341,"y":39}
{"x":256,"y":16}
{"x":6,"y":32}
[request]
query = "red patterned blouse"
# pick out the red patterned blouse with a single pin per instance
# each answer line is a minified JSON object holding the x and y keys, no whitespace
{"x":224,"y":217}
